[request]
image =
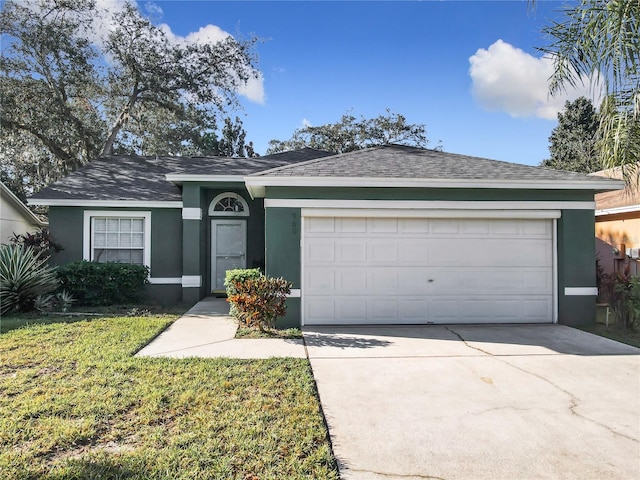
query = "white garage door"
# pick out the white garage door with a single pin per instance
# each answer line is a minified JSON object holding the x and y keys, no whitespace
{"x":427,"y":270}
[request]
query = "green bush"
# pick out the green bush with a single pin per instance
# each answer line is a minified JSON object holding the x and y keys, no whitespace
{"x":24,"y":275}
{"x":238,"y":275}
{"x":93,"y":283}
{"x":260,"y":301}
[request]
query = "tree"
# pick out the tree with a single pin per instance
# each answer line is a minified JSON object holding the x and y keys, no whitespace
{"x":600,"y":40}
{"x":351,"y":133}
{"x":75,"y":95}
{"x":573,"y":141}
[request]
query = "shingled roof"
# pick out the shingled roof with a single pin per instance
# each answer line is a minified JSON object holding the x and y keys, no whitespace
{"x":137,"y":178}
{"x":400,"y":161}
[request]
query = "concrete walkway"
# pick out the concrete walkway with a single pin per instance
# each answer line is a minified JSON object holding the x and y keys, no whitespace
{"x":207,"y":331}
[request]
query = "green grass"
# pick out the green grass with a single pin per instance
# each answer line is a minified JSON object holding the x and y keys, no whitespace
{"x":246,"y":332}
{"x":75,"y":404}
{"x":630,"y":337}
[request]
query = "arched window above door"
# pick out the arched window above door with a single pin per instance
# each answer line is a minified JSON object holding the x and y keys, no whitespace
{"x":229,"y":204}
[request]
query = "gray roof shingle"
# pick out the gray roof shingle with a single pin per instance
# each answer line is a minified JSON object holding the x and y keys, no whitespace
{"x":130,"y":177}
{"x":399,"y":161}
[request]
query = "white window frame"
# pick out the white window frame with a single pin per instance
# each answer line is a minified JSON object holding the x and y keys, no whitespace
{"x":238,"y":197}
{"x":87,"y":250}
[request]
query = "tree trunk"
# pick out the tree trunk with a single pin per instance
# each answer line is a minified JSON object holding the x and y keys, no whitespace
{"x":122,"y":119}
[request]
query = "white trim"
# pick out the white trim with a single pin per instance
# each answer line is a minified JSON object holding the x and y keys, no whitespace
{"x":238,"y":197}
{"x":191,"y":281}
{"x":35,"y":221}
{"x":581,"y":291}
{"x":257,"y":183}
{"x":554,"y":253}
{"x":194,"y":177}
{"x":191,"y":213}
{"x":618,"y":210}
{"x":429,"y":213}
{"x":105,"y":203}
{"x":302,"y":273}
{"x":86,"y":230}
{"x":165,"y":280}
{"x":426,"y":204}
{"x":295,"y":293}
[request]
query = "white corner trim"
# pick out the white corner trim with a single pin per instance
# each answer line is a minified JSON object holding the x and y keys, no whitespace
{"x":194,"y":177}
{"x":191,"y":213}
{"x":165,"y":280}
{"x":295,"y":293}
{"x":581,"y":291}
{"x":191,"y":281}
{"x":426,"y":204}
{"x":282,"y":181}
{"x":86,"y":230}
{"x":618,"y":210}
{"x":105,"y":203}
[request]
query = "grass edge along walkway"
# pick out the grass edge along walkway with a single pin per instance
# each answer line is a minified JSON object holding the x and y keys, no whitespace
{"x":74,"y":403}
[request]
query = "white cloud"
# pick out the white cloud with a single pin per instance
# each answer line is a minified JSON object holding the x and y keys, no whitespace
{"x":154,"y":10}
{"x":253,"y":89}
{"x":305,"y":123}
{"x":505,"y":78}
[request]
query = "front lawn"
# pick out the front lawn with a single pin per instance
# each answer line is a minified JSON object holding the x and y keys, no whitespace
{"x":74,"y":403}
{"x":630,"y":337}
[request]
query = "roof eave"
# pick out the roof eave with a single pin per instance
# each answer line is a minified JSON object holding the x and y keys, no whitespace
{"x":179,"y":178}
{"x":257,"y":183}
{"x":79,"y":202}
{"x":22,"y":207}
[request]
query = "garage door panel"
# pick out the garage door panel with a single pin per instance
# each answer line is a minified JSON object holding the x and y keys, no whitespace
{"x":319,"y":251}
{"x":382,"y":251}
{"x":419,"y":270}
{"x":350,"y":251}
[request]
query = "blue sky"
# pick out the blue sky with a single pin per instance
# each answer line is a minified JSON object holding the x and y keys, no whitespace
{"x":469,"y":71}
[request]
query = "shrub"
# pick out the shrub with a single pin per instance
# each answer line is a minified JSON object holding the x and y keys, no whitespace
{"x":93,"y":283}
{"x":260,"y":301}
{"x":24,"y":275}
{"x":238,"y":275}
{"x":40,"y":241}
{"x":622,"y":292}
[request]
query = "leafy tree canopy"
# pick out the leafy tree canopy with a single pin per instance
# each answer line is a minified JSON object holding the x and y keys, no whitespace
{"x":351,"y":133}
{"x":573,"y":141}
{"x":70,"y":93}
{"x":600,"y":40}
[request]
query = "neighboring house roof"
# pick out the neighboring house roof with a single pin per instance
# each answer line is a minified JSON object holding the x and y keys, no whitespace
{"x":403,"y":166}
{"x":9,"y":197}
{"x":621,"y":201}
{"x":149,"y":179}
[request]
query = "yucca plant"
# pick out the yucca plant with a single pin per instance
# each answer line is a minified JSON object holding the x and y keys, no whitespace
{"x":24,"y":275}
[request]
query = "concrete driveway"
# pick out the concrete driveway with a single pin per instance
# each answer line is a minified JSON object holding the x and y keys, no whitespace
{"x":478,"y":402}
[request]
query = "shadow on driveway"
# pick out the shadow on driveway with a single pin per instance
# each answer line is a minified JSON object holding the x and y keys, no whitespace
{"x":465,"y":340}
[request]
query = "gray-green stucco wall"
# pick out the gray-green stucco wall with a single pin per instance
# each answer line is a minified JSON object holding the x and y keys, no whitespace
{"x":67,"y":227}
{"x":282,"y":234}
{"x":576,"y":251}
{"x":574,"y":242}
{"x":196,"y":236}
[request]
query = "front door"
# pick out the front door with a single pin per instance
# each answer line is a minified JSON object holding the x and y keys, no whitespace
{"x":228,"y":249}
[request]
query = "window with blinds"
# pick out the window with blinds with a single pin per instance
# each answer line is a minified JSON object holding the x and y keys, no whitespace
{"x":118,"y":239}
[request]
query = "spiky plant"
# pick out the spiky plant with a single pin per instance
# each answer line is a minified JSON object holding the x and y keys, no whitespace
{"x":24,"y":275}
